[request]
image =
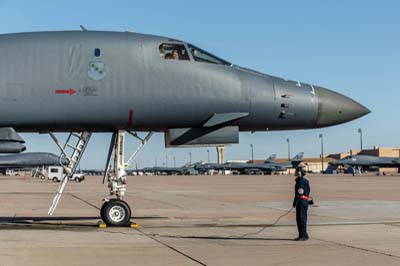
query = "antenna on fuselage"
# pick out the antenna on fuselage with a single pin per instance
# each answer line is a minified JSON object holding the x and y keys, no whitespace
{"x":83,"y":28}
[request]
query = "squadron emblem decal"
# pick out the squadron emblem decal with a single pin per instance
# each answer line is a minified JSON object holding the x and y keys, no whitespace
{"x":97,"y":71}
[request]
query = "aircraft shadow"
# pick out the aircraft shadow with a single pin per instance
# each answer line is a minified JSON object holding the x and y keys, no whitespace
{"x":56,"y":222}
{"x":240,"y":238}
{"x":225,"y":238}
{"x":17,"y":219}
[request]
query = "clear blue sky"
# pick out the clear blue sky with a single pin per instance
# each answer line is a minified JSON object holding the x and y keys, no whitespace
{"x":348,"y":46}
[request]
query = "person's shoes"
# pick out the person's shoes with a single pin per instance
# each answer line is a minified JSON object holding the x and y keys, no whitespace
{"x":300,"y":239}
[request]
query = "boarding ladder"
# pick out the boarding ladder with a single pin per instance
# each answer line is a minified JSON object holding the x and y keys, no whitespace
{"x":75,"y":145}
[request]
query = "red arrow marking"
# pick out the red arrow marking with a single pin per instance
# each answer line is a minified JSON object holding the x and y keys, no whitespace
{"x":68,"y":91}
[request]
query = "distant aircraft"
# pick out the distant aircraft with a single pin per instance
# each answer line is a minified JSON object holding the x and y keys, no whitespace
{"x":86,"y":81}
{"x":204,"y":168}
{"x":161,"y":170}
{"x":359,"y":162}
{"x":268,"y":167}
{"x":270,"y":159}
{"x":92,"y":172}
{"x":280,"y":167}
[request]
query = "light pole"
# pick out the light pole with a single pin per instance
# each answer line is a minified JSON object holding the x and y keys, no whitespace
{"x":252,"y":153}
{"x":288,"y":148}
{"x":361,"y":138}
{"x":155,"y":161}
{"x":322,"y":152}
{"x":190,"y":157}
{"x":208,"y":155}
{"x":174,"y":162}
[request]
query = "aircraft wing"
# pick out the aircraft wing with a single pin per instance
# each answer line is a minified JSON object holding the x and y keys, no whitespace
{"x":33,"y":159}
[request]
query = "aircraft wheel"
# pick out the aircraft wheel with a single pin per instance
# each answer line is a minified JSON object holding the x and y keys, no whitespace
{"x":115,"y":213}
{"x":102,"y":208}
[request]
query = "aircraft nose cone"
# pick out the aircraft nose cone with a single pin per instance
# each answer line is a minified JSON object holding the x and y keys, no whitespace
{"x":335,"y":108}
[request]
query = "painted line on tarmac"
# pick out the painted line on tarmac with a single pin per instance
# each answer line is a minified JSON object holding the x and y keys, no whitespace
{"x":171,"y":247}
{"x":83,"y":200}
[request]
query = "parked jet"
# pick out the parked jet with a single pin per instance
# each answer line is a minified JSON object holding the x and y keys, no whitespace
{"x":359,"y":162}
{"x":280,"y":167}
{"x":158,"y":170}
{"x":203,"y":168}
{"x":266,"y":167}
{"x":86,"y":82}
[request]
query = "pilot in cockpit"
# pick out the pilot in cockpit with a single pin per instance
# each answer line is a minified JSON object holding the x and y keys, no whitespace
{"x":172,"y":56}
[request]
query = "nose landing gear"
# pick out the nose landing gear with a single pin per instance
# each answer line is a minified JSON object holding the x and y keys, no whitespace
{"x":115,"y":211}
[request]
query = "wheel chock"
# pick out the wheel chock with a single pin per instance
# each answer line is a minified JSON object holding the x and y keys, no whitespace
{"x":134,"y":225}
{"x":102,"y":225}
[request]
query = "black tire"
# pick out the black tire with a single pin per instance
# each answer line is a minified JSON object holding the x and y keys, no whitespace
{"x":116,"y":213}
{"x":55,"y":179}
{"x":102,"y":208}
{"x":77,"y":180}
{"x":42,"y":177}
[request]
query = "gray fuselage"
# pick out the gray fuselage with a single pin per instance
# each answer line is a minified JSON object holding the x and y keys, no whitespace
{"x":104,"y":81}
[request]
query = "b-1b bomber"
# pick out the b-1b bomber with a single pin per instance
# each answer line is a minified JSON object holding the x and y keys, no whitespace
{"x":84,"y":82}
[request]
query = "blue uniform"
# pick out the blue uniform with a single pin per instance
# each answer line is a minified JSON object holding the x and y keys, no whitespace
{"x":300,"y":202}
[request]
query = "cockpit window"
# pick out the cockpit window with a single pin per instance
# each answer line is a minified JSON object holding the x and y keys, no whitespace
{"x":170,"y":51}
{"x":203,"y":56}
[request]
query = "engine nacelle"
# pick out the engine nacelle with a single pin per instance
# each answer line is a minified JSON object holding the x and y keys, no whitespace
{"x":10,"y":141}
{"x":11,"y":147}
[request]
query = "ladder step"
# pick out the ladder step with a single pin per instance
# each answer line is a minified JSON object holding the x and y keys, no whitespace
{"x":70,"y":146}
{"x":77,"y":152}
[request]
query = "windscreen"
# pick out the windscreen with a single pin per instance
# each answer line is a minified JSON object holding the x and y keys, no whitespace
{"x":200,"y":55}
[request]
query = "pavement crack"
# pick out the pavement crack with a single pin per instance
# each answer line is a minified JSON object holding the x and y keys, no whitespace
{"x":358,"y":248}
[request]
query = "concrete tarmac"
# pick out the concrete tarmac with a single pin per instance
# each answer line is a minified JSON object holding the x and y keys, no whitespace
{"x":203,"y":220}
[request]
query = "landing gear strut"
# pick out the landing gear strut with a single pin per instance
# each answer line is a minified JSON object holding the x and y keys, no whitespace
{"x":115,"y":211}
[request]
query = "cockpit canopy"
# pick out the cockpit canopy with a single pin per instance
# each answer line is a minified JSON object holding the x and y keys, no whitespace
{"x":175,"y":51}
